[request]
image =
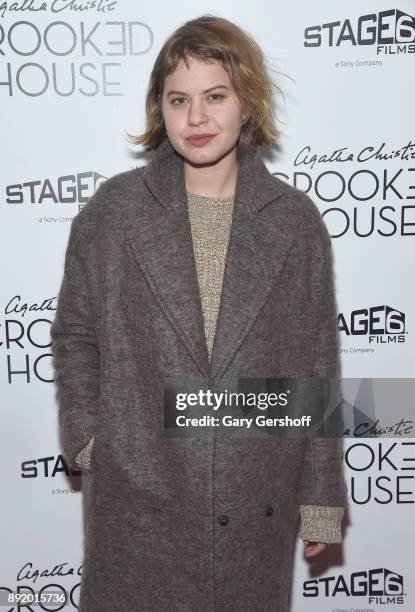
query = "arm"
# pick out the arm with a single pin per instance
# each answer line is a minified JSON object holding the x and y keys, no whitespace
{"x":75,"y":347}
{"x":323,"y":489}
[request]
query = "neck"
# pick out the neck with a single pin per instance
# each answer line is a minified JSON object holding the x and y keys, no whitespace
{"x":214,"y":180}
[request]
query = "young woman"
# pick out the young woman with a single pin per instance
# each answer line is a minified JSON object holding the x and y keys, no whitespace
{"x":203,"y":267}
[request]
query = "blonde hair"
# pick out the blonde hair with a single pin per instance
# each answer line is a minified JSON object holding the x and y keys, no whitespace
{"x":205,"y":38}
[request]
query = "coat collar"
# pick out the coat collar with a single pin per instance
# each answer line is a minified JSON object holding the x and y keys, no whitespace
{"x":161,"y":241}
{"x":164,"y":176}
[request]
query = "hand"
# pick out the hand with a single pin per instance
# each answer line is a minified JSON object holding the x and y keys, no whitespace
{"x":314,"y":548}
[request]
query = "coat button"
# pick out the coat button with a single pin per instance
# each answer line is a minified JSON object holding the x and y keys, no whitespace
{"x":223,"y":519}
{"x":269,"y":510}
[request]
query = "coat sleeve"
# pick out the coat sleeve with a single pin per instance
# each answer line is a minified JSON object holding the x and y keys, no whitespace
{"x":74,"y":333}
{"x":323,"y":491}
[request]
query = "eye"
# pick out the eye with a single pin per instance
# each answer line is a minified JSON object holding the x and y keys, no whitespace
{"x":175,"y":100}
{"x":217,"y":96}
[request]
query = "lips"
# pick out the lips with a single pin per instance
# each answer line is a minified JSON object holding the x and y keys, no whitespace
{"x":201,"y":140}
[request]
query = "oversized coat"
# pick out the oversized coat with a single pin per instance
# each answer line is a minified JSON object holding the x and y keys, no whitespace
{"x":185,"y":523}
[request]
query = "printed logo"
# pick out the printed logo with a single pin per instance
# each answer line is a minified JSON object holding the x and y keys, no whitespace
{"x":380,"y":324}
{"x":390,"y":32}
{"x":381,"y":586}
{"x":66,"y":189}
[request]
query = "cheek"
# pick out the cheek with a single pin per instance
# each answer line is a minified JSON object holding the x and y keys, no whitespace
{"x":170,"y":114}
{"x":231,"y":124}
{"x":231,"y":117}
{"x":167,"y":114}
{"x":173,"y":121}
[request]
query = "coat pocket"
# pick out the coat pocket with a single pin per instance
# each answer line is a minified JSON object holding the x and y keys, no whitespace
{"x":109,"y":410}
{"x":83,"y":458}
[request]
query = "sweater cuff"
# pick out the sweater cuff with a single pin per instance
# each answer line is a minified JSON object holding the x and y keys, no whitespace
{"x":83,"y":458}
{"x":321,"y":523}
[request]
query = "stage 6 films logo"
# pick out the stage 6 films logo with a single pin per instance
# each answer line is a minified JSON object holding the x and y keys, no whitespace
{"x":389,"y":32}
{"x":382,"y":324}
{"x":381,"y":586}
{"x":65,"y":189}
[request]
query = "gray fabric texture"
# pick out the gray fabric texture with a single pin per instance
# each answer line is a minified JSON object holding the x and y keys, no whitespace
{"x":184,"y":523}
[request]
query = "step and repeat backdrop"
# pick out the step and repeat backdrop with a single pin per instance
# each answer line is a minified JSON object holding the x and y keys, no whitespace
{"x":73,"y":78}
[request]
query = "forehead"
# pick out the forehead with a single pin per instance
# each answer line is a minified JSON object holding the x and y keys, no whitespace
{"x":199,"y":75}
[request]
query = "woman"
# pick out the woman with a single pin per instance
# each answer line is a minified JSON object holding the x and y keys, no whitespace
{"x":198,"y":269}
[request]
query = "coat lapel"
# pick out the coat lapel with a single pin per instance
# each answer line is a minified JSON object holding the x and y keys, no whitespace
{"x":163,"y":248}
{"x":256,"y":255}
{"x":161,"y":241}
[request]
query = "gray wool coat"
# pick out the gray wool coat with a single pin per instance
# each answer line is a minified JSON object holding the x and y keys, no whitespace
{"x":191,"y":523}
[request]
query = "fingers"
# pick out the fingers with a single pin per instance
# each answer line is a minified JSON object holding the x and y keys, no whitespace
{"x":314,"y":548}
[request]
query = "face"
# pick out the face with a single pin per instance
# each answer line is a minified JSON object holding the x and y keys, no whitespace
{"x":201,"y":100}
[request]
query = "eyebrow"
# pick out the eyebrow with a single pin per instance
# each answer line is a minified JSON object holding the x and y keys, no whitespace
{"x":183,"y":93}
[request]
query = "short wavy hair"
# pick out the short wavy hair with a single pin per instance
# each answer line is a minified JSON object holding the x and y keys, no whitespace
{"x":205,"y":38}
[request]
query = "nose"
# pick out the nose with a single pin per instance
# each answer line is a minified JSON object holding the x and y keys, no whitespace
{"x":197,"y":112}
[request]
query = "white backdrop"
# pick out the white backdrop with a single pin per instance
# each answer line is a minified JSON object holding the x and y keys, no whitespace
{"x":72,"y":84}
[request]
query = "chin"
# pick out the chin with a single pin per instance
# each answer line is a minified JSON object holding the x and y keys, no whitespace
{"x":207,"y":155}
{"x":199,"y":156}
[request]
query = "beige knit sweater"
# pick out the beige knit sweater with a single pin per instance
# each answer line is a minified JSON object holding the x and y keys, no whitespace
{"x":210,"y":221}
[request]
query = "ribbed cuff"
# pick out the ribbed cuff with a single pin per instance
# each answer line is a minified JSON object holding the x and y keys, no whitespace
{"x":321,"y":523}
{"x":83,"y":458}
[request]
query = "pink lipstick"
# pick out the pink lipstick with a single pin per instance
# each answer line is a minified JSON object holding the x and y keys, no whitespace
{"x":200,"y":140}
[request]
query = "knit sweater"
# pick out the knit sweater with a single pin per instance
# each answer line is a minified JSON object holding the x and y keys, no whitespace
{"x":210,"y":221}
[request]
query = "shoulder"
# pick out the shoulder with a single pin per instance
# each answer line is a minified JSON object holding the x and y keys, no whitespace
{"x":113,"y":195}
{"x":118,"y":188}
{"x":299,"y":211}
